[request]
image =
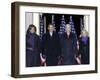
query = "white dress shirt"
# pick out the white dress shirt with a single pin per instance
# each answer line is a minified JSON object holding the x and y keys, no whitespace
{"x":51,"y":33}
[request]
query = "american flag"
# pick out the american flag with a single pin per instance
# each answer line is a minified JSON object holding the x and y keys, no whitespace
{"x":41,"y":25}
{"x":72,"y":26}
{"x":42,"y":60}
{"x":62,"y":25}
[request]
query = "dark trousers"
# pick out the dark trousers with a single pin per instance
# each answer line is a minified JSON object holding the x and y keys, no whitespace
{"x":32,"y":59}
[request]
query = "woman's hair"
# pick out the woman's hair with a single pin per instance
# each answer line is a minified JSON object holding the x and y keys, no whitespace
{"x":84,"y":31}
{"x":68,"y":24}
{"x":29,"y":28}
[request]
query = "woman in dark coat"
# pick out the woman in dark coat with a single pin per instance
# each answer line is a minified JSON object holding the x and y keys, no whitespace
{"x":51,"y":46}
{"x":84,"y":47}
{"x":32,"y":47}
{"x":69,"y":46}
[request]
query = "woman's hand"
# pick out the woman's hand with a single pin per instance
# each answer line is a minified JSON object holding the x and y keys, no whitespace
{"x":78,"y":60}
{"x":43,"y":60}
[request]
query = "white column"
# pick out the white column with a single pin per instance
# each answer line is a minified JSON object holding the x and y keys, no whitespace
{"x":28,"y":20}
{"x":44,"y":24}
{"x":36,"y":21}
{"x":86,"y":22}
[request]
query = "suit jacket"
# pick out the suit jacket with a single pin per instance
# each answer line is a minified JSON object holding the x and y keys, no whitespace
{"x":51,"y":48}
{"x":69,"y":48}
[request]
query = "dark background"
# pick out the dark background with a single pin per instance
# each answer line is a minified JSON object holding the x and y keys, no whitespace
{"x":58,"y":17}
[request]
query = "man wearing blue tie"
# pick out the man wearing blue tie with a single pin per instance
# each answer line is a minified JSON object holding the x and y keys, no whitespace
{"x":51,"y":46}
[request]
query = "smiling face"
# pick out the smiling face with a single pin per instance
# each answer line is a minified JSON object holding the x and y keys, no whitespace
{"x":68,"y":28}
{"x":84,"y":33}
{"x":50,"y":28}
{"x":32,"y":30}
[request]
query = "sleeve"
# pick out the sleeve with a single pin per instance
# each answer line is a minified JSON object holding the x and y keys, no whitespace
{"x":80,"y":47}
{"x":75,"y":44}
{"x":75,"y":40}
{"x":27,"y":40}
{"x":39,"y":44}
{"x":43,"y":41}
{"x":59,"y":45}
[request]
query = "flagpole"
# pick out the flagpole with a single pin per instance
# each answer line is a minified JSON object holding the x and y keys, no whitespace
{"x":44,"y":24}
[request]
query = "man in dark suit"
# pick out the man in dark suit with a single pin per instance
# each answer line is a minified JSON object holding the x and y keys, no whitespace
{"x":51,"y":46}
{"x":69,"y":46}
